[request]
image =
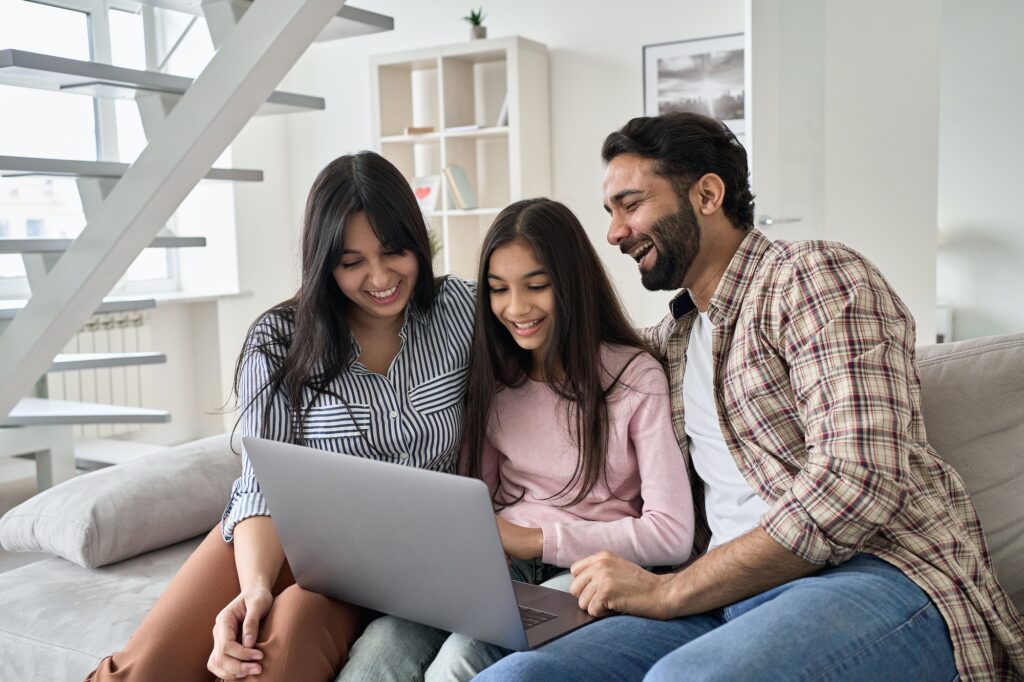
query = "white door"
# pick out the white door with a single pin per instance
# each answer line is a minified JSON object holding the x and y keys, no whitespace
{"x":786,"y":116}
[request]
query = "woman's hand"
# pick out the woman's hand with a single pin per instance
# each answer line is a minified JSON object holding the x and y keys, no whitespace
{"x":231,"y":659}
{"x":519,"y":541}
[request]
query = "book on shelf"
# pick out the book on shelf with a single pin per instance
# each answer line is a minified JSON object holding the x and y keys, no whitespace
{"x":462,"y":129}
{"x":460,"y":187}
{"x":427,"y":188}
{"x":503,"y":113}
{"x":418,"y":130}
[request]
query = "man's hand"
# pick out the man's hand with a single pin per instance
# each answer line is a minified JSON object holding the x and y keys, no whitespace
{"x":230,"y":659}
{"x":520,"y":541}
{"x":740,"y":568}
{"x":605,"y":583}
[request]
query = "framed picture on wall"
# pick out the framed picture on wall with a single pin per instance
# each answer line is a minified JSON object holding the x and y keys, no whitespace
{"x":703,"y":75}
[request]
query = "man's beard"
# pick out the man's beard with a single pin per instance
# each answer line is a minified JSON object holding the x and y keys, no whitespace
{"x":677,"y":236}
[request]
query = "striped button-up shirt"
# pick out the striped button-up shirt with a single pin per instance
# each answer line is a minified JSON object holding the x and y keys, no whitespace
{"x":411,"y":416}
{"x":818,"y":396}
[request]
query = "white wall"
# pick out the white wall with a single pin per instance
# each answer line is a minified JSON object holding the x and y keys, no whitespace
{"x":881,"y":141}
{"x":267,"y":239}
{"x":188,"y":384}
{"x":980,"y":177}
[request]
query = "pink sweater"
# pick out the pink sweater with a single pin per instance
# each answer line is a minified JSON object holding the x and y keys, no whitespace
{"x":651,"y":522}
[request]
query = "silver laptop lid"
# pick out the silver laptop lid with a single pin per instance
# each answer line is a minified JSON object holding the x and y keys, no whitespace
{"x":417,"y":544}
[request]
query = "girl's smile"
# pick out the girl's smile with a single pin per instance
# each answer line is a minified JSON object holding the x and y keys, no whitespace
{"x":521,"y":297}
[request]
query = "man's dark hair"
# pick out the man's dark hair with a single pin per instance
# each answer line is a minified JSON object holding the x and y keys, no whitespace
{"x":686,"y":146}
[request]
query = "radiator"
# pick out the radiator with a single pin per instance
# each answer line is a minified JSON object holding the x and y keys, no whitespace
{"x":127,"y":332}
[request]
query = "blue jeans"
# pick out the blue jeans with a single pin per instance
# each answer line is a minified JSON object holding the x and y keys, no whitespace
{"x":862,"y":620}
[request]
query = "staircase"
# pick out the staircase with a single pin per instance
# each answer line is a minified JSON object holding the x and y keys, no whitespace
{"x":188,"y":124}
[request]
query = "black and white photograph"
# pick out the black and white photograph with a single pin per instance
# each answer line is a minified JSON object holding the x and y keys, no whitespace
{"x":704,"y":75}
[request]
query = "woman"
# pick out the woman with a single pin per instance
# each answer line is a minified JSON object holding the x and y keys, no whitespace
{"x":369,"y":358}
{"x":568,"y":417}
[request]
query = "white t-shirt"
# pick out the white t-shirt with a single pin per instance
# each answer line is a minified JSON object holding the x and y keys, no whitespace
{"x":731,"y":505}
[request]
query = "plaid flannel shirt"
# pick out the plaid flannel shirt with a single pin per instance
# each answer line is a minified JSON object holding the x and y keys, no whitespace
{"x":818,"y":397}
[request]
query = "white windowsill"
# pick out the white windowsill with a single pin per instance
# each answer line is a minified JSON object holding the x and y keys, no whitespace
{"x":168,"y":297}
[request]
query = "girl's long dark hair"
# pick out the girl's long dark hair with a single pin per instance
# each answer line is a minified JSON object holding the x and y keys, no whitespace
{"x":587,"y":314}
{"x":319,"y":348}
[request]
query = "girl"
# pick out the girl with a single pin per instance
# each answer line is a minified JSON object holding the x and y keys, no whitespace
{"x":369,"y":358}
{"x":568,"y":416}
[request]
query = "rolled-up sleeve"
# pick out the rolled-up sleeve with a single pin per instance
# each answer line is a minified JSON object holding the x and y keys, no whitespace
{"x":246,"y":499}
{"x":848,"y":342}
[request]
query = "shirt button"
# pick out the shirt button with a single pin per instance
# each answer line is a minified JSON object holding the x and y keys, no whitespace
{"x":394,"y":414}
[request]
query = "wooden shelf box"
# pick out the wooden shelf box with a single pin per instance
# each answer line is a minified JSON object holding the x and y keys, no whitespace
{"x":459,"y":91}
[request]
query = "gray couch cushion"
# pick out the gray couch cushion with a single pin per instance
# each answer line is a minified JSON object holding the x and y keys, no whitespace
{"x":60,"y":619}
{"x":973,"y":402}
{"x":122,"y":511}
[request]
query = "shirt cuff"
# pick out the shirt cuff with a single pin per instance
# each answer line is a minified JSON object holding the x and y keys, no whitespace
{"x":551,"y":543}
{"x":792,"y":526}
{"x":240,"y":508}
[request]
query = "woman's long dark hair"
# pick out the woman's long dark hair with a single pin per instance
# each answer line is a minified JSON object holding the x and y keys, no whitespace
{"x":587,"y":314}
{"x":319,"y":348}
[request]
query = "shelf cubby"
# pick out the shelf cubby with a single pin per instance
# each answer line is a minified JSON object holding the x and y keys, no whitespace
{"x":457,"y":92}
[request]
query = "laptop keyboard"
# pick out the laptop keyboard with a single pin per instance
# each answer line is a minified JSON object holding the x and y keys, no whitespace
{"x":532,"y":617}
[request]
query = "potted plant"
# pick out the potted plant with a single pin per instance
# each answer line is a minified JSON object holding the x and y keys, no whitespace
{"x":476,"y":23}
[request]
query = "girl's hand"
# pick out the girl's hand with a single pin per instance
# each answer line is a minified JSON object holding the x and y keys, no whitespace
{"x":520,"y":541}
{"x":231,"y":659}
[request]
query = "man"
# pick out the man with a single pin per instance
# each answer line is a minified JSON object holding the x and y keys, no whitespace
{"x":840,"y":545}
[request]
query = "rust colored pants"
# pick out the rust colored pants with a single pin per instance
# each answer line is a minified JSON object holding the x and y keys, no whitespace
{"x":305,"y":636}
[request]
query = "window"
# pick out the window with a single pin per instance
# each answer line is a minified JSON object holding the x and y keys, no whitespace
{"x":39,"y":123}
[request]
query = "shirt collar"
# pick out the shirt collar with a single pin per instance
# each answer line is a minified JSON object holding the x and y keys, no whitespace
{"x":725,"y":303}
{"x":413,"y":312}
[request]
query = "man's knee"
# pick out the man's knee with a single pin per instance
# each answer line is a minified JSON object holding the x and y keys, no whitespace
{"x":531,"y":665}
{"x":682,"y":665}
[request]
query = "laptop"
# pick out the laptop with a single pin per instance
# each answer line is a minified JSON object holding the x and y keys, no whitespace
{"x":417,"y":544}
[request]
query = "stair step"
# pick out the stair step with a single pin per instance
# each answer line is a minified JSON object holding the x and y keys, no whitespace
{"x":71,"y":361}
{"x":353,"y":21}
{"x":30,"y":165}
{"x":93,"y":453}
{"x":10,"y":308}
{"x":45,"y":412}
{"x":9,"y":245}
{"x":348,"y":23}
{"x":47,"y":72}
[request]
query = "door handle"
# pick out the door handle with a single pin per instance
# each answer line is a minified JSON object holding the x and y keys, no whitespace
{"x":768,"y":221}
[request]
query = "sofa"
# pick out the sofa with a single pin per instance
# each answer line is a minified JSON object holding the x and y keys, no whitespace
{"x":119,"y":534}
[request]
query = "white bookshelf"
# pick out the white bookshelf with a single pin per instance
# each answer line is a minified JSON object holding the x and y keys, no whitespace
{"x":457,"y":91}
